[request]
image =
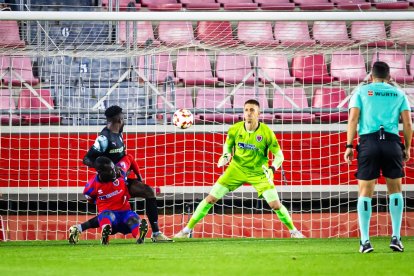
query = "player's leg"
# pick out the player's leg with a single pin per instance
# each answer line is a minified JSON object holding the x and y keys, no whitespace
{"x":76,"y":230}
{"x":137,"y":227}
{"x":364,"y":208}
{"x":106,"y":219}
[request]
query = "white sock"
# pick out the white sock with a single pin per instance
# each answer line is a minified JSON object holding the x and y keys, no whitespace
{"x":79,"y":226}
{"x":187,"y":230}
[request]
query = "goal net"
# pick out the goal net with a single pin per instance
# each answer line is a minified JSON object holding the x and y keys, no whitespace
{"x":58,"y":74}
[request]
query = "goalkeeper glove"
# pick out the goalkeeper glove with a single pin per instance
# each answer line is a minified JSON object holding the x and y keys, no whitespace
{"x":224,"y":159}
{"x":269,"y":172}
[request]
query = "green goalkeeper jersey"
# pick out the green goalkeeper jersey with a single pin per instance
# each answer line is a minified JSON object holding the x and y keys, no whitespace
{"x":251,"y":149}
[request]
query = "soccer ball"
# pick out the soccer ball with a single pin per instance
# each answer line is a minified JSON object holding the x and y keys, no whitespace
{"x":183,"y":118}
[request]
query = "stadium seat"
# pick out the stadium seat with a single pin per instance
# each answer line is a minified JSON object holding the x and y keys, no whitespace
{"x":9,"y":33}
{"x":330,"y":98}
{"x":331,"y":33}
{"x":371,"y":32}
{"x":232,"y":69}
{"x":258,"y":34}
{"x":293,"y":33}
{"x":159,"y":68}
{"x":352,"y":4}
{"x":144,"y":33}
{"x":123,"y":5}
{"x":348,"y":66}
{"x":7,"y":103}
{"x":131,"y":98}
{"x":161,"y":5}
{"x":410,"y":95}
{"x":210,"y":98}
{"x":314,"y":4}
{"x":297,"y":95}
{"x":200,"y":4}
{"x":193,"y":68}
{"x":244,"y":94}
{"x":397,"y":62}
{"x":402,"y":32}
{"x":390,"y":4}
{"x":310,"y":68}
{"x":281,"y":5}
{"x":217,"y":33}
{"x":182,"y":98}
{"x":176,"y":33}
{"x":18,"y":65}
{"x":238,"y":4}
{"x":29,"y":101}
{"x":275,"y":67}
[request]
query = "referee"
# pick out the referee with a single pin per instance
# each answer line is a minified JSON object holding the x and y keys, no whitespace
{"x":376,"y":109}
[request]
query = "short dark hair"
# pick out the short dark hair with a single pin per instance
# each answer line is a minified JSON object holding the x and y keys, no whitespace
{"x":102,"y":163}
{"x":112,"y":112}
{"x":380,"y":70}
{"x":252,"y":101}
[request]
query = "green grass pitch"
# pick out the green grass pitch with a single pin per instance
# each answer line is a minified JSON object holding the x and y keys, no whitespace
{"x":206,"y":257}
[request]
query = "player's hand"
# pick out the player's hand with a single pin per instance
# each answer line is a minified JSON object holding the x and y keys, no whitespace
{"x":269,"y":172}
{"x":349,"y":155}
{"x":118,"y":172}
{"x":224,"y":159}
{"x":406,"y":155}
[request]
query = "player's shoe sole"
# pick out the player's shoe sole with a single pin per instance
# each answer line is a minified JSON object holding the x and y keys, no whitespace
{"x":106,"y":231}
{"x":143,"y":230}
{"x":73,"y":235}
{"x":396,"y":245}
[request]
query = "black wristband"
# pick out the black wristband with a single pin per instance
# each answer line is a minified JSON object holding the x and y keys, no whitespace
{"x":349,"y":146}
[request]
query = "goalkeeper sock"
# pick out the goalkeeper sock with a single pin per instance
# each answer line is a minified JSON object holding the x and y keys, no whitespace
{"x":364,"y":216}
{"x":283,"y":215}
{"x":92,"y":223}
{"x":199,"y":213}
{"x":152,"y":213}
{"x":396,"y":206}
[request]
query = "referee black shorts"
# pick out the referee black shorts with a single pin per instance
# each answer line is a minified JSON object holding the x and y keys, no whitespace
{"x":375,"y":155}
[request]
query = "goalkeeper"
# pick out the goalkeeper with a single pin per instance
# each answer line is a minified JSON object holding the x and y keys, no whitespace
{"x":110,"y":143}
{"x":251,"y":142}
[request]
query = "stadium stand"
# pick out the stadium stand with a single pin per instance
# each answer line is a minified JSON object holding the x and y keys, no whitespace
{"x":181,"y":98}
{"x":331,"y":33}
{"x":28,"y":100}
{"x":233,"y":69}
{"x":275,"y":5}
{"x":310,"y":69}
{"x":210,"y":98}
{"x":298,"y":96}
{"x":314,"y":4}
{"x":7,"y":103}
{"x":348,"y":66}
{"x":200,"y":4}
{"x":176,"y":33}
{"x":397,"y":62}
{"x":402,"y":32}
{"x":156,"y":68}
{"x":143,"y":38}
{"x":244,"y":94}
{"x":352,"y":4}
{"x":274,"y":68}
{"x":217,"y":33}
{"x":9,"y":33}
{"x":161,"y":5}
{"x":122,"y":5}
{"x":292,"y":34}
{"x":19,"y":71}
{"x":327,"y":97}
{"x":238,"y":4}
{"x":390,"y":4}
{"x":371,"y":31}
{"x":193,"y":68}
{"x":258,"y":34}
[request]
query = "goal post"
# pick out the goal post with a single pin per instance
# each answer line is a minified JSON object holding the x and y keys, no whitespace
{"x":62,"y":69}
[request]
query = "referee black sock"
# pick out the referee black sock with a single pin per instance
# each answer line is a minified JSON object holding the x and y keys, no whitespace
{"x":92,"y":223}
{"x":152,"y":213}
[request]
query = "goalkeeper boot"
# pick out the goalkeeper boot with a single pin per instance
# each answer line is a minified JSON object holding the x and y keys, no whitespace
{"x":74,"y":234}
{"x":143,"y":229}
{"x":396,"y":244}
{"x":160,"y":237}
{"x":182,"y":235}
{"x":106,"y":231}
{"x":366,"y":247}
{"x":296,"y":234}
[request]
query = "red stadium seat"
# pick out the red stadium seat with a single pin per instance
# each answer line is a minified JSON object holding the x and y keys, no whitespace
{"x":182,"y":98}
{"x":218,"y":33}
{"x":329,"y":98}
{"x":161,"y":5}
{"x":28,"y":100}
{"x":244,"y":94}
{"x":144,"y":35}
{"x":238,"y":4}
{"x":9,"y":33}
{"x":123,"y":5}
{"x":310,"y":68}
{"x":293,"y":33}
{"x":210,"y":98}
{"x":257,"y":34}
{"x":193,"y":68}
{"x":297,"y":95}
{"x":390,"y":4}
{"x":331,"y":33}
{"x":402,"y":32}
{"x":348,"y":66}
{"x":233,"y":68}
{"x":397,"y":62}
{"x":7,"y":103}
{"x":352,"y":4}
{"x":158,"y":69}
{"x":200,"y":4}
{"x":371,"y":32}
{"x":314,"y":4}
{"x":275,"y":67}
{"x":176,"y":33}
{"x":22,"y":66}
{"x":281,"y":5}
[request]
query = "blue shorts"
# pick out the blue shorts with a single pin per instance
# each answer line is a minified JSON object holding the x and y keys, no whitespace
{"x":119,"y":220}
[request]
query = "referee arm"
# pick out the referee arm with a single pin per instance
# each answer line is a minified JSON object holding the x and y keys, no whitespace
{"x":408,"y":133}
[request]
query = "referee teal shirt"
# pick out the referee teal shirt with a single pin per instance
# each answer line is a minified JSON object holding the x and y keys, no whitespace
{"x":379,"y":104}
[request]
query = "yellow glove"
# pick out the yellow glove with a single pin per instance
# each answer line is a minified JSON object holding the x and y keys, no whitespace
{"x":224,"y":159}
